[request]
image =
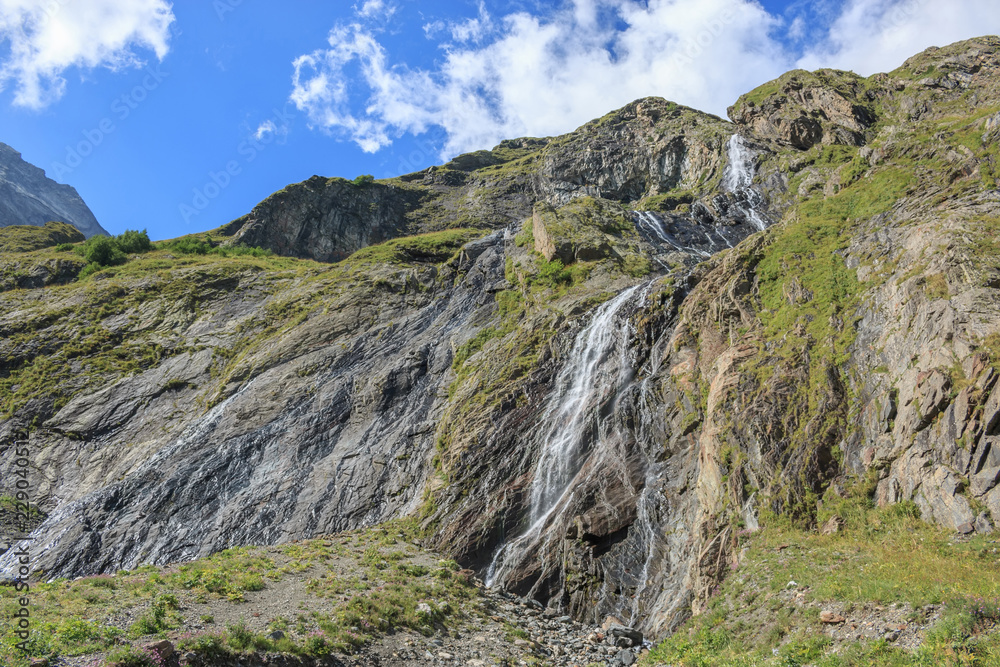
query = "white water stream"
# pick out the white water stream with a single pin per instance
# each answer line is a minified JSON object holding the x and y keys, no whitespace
{"x":569,"y":427}
{"x":567,"y":420}
{"x":738,"y":179}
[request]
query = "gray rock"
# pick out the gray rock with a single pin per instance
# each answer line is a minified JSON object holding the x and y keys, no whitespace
{"x":984,"y":480}
{"x":625,"y":657}
{"x":28,"y":197}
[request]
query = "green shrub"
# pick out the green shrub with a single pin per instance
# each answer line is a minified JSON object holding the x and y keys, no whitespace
{"x":364,"y":179}
{"x":239,"y":637}
{"x":103,"y":251}
{"x":553,"y":274}
{"x":131,"y":656}
{"x":132,"y":242}
{"x":187,"y":247}
{"x":191,"y":246}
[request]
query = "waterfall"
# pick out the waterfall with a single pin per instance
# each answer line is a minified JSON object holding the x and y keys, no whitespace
{"x":652,"y":224}
{"x":739,"y":171}
{"x":738,"y":179}
{"x":566,"y":415}
{"x":579,"y":438}
{"x":580,"y":386}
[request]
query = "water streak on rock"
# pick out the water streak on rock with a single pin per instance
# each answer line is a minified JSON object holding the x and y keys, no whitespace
{"x":738,"y":179}
{"x":566,"y":440}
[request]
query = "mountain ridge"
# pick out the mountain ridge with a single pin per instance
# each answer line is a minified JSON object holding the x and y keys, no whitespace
{"x":774,"y":313}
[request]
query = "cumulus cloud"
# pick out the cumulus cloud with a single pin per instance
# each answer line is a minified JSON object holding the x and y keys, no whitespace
{"x":468,"y":30}
{"x":538,"y":75}
{"x":47,"y":37}
{"x":543,"y":74}
{"x":873,"y":36}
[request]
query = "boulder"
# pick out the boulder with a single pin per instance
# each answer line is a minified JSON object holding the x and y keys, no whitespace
{"x":163,"y":648}
{"x":984,"y":480}
{"x":625,"y":636}
{"x":830,"y":617}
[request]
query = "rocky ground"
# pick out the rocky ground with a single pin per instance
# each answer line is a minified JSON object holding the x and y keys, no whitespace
{"x":499,"y":629}
{"x":286,"y":596}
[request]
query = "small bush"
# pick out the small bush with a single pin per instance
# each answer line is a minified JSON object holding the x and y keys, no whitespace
{"x":157,"y":618}
{"x":130,"y":656}
{"x":132,"y":242}
{"x":240,"y":637}
{"x":364,"y":179}
{"x":187,"y":247}
{"x":103,"y":251}
{"x":553,"y":274}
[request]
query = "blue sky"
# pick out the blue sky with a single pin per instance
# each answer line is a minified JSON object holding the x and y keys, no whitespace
{"x":180,"y":117}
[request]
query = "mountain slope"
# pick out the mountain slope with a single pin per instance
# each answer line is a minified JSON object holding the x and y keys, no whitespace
{"x":28,"y":197}
{"x":585,"y":364}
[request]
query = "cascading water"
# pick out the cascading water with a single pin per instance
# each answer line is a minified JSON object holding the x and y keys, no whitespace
{"x":579,"y":387}
{"x":738,"y":179}
{"x":739,"y":171}
{"x":567,"y":414}
{"x":598,"y":490}
{"x":651,"y":223}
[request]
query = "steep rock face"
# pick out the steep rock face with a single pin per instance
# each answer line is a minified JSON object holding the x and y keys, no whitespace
{"x":633,"y":155}
{"x":814,"y":352}
{"x":802,"y":109}
{"x":310,"y":428}
{"x":28,"y":197}
{"x":591,"y":432}
{"x":324,"y":219}
{"x":647,"y":148}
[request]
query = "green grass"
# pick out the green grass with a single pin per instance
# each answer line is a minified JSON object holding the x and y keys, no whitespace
{"x":68,"y":616}
{"x":475,"y":344}
{"x":881,"y":556}
{"x":26,"y":238}
{"x":840,"y":81}
{"x":671,"y":201}
{"x":435,"y":247}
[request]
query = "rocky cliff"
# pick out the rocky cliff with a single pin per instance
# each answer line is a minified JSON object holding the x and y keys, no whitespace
{"x":28,"y":197}
{"x":585,"y":362}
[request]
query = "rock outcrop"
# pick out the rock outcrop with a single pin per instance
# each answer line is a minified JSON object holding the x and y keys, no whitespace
{"x":28,"y":197}
{"x":634,"y":156}
{"x":745,"y":319}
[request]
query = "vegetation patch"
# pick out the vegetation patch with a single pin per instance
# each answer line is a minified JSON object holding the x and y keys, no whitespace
{"x":25,"y":238}
{"x":767,"y":612}
{"x":435,"y":247}
{"x":391,"y":585}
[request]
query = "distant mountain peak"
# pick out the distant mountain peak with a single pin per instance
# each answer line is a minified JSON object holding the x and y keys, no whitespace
{"x":29,"y":197}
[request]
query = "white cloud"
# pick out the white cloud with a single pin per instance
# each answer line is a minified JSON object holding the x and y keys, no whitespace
{"x":264,"y":129}
{"x":376,"y":9}
{"x":873,"y":36}
{"x":473,"y":30}
{"x":538,"y":75}
{"x":47,"y":37}
{"x":462,"y":32}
